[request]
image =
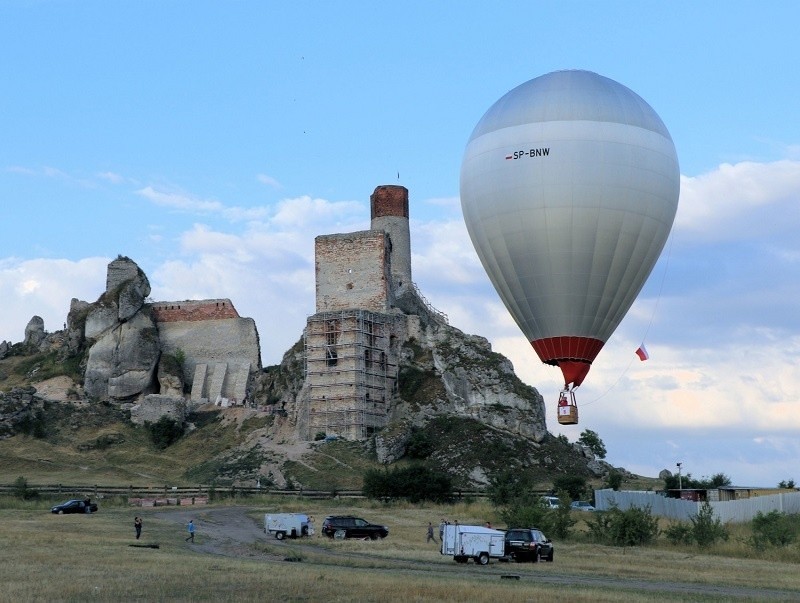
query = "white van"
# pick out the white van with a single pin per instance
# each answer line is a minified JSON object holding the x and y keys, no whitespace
{"x":551,"y":502}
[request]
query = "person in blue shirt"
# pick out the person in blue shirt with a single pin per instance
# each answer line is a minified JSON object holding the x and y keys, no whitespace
{"x":190,"y":528}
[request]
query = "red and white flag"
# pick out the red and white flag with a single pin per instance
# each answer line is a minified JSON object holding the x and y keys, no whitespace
{"x":642,"y":353}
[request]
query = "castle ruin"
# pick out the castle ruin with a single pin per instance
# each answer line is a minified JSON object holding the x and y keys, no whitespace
{"x":352,"y":341}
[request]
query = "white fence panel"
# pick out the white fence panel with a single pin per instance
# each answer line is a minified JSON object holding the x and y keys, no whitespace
{"x":735,"y":511}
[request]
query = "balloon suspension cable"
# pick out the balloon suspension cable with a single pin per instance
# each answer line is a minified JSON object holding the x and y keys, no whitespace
{"x":649,"y":324}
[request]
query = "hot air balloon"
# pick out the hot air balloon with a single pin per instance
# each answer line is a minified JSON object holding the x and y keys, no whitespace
{"x":569,"y":188}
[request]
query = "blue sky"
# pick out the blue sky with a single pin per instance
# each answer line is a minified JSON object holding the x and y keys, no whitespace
{"x":212,"y":141}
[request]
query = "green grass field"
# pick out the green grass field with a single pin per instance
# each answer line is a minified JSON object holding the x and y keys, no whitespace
{"x":46,"y":557}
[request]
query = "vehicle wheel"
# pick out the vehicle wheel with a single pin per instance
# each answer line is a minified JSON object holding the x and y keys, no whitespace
{"x":373,"y":536}
{"x":280,"y":535}
{"x":550,"y":557}
{"x":483,"y":558}
{"x":460,"y":559}
{"x":61,"y":511}
{"x":535,"y":556}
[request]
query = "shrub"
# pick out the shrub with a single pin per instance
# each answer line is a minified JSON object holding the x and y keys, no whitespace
{"x":774,"y":528}
{"x":633,"y":527}
{"x":319,"y":436}
{"x":527,"y":516}
{"x":21,"y":489}
{"x":420,"y":445}
{"x":614,"y":480}
{"x":574,"y":485}
{"x":164,"y":432}
{"x":510,"y":487}
{"x":416,"y":483}
{"x":705,"y":528}
{"x":679,"y":533}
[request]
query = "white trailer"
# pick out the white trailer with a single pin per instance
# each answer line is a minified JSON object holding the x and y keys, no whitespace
{"x":288,"y":525}
{"x":472,"y":542}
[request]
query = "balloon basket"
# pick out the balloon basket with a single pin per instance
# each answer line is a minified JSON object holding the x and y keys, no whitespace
{"x":567,"y":408}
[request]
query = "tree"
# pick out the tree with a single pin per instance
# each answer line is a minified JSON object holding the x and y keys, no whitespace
{"x":509,"y":486}
{"x":614,"y":480}
{"x":415,"y":484}
{"x":592,"y":441}
{"x":707,"y":529}
{"x":788,"y":484}
{"x":574,"y":485}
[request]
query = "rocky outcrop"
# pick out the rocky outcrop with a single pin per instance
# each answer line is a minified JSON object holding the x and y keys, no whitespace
{"x":128,"y":285}
{"x":124,"y":340}
{"x":154,"y":407}
{"x":122,"y":362}
{"x":34,"y":332}
{"x":5,"y":346}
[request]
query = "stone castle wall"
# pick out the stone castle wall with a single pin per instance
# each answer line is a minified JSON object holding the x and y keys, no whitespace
{"x":352,"y":271}
{"x":228,"y":347}
{"x":186,"y":311}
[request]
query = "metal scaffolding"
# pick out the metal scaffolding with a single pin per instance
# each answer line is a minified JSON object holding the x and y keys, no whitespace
{"x":348,"y":372}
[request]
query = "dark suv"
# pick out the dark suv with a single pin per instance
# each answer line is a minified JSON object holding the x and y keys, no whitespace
{"x":346,"y":526}
{"x":528,"y":544}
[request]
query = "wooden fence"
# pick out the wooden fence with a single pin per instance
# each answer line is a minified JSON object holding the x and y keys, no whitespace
{"x":200,"y":491}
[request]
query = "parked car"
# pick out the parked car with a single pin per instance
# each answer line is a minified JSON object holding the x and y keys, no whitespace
{"x":528,"y":544}
{"x":347,"y":526}
{"x":581,"y":505}
{"x":75,"y":506}
{"x":551,"y":502}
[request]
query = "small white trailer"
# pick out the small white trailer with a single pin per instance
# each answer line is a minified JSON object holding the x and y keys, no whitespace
{"x":465,"y":542}
{"x":288,"y":525}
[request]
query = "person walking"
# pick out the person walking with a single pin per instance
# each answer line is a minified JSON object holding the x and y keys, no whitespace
{"x":430,"y":533}
{"x":137,"y":525}
{"x":190,"y":529}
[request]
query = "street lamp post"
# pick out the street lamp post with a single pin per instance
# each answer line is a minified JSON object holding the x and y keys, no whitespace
{"x":680,"y":485}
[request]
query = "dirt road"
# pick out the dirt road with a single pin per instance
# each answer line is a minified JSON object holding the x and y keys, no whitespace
{"x":230,"y":532}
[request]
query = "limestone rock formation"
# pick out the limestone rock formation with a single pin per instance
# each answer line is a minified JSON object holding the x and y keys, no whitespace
{"x":126,"y":282}
{"x":154,"y":406}
{"x":4,"y":347}
{"x":34,"y":331}
{"x":125,"y":348}
{"x":122,"y":362}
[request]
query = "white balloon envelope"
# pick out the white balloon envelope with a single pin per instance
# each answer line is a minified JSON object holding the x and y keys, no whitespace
{"x":569,"y":188}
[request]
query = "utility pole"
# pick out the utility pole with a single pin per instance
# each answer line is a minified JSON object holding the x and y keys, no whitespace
{"x":680,"y":485}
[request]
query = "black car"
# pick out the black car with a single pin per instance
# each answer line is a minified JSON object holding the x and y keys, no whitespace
{"x":528,"y":544}
{"x":347,"y":526}
{"x":75,"y":506}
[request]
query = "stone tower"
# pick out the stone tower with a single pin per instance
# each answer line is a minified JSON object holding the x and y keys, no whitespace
{"x":389,"y":209}
{"x":351,"y":360}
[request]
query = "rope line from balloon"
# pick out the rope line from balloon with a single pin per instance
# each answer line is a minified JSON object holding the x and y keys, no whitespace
{"x":650,"y":324}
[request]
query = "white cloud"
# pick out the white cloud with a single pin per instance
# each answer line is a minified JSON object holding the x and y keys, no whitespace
{"x":740,"y":202}
{"x":268,"y":180}
{"x":191,"y":204}
{"x":44,"y":288}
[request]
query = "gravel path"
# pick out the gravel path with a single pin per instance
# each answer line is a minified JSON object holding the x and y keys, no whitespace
{"x":229,"y":531}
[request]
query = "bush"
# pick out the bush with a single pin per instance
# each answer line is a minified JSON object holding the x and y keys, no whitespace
{"x":416,"y":483}
{"x":679,"y":533}
{"x":420,"y":445}
{"x":510,"y":487}
{"x":774,"y":528}
{"x":21,"y":489}
{"x":574,"y":485}
{"x":614,"y":480}
{"x":530,"y":515}
{"x":705,"y":528}
{"x":164,"y":432}
{"x":633,"y":527}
